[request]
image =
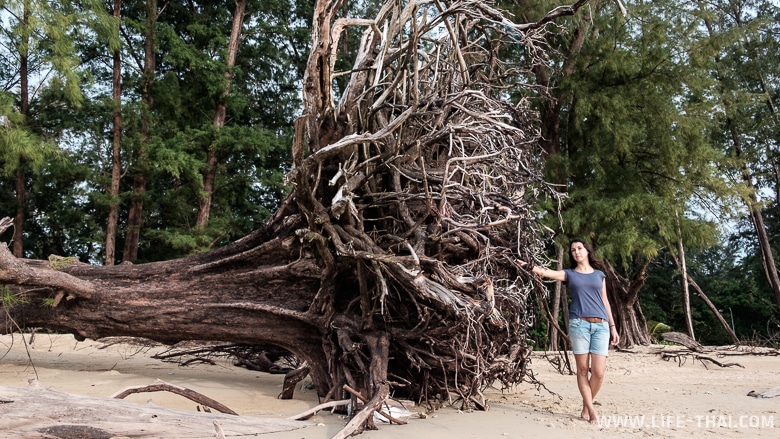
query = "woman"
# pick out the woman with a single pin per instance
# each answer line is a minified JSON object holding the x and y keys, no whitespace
{"x":590,"y":320}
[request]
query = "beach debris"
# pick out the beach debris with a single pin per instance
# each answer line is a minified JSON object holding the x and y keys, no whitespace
{"x":162,"y":386}
{"x":37,"y":411}
{"x":386,"y":417}
{"x":682,"y":356}
{"x":683,"y":339}
{"x":220,"y":434}
{"x":395,"y":412}
{"x":771,"y":393}
{"x":330,"y":404}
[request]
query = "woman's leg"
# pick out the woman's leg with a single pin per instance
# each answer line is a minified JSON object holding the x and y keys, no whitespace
{"x":583,"y":384}
{"x":598,"y":365}
{"x":599,"y":349}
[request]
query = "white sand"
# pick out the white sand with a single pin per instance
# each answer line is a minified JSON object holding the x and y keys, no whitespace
{"x":647,"y":396}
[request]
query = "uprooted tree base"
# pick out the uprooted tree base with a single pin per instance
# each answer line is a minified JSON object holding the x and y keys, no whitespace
{"x":390,"y":266}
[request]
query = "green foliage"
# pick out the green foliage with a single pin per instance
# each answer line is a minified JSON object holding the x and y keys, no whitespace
{"x":9,"y":299}
{"x":656,"y":329}
{"x":19,"y":146}
{"x":632,"y":155}
{"x":68,"y":196}
{"x":60,"y":262}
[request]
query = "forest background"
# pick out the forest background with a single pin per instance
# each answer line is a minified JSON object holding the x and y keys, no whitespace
{"x":144,"y":131}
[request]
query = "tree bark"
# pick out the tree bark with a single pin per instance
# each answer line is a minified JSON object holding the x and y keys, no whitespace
{"x":250,"y":284}
{"x":684,"y":279}
{"x":623,"y":296}
{"x":18,"y":238}
{"x":38,"y":412}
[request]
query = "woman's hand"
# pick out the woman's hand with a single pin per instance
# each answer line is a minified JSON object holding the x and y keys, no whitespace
{"x":615,"y":337}
{"x":527,"y":266}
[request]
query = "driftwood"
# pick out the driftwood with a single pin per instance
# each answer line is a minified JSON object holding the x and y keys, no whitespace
{"x":683,"y":339}
{"x":162,"y":386}
{"x":381,"y":412}
{"x":695,"y":350}
{"x":681,"y":357}
{"x":309,"y":413}
{"x":35,"y":412}
{"x":291,"y":379}
{"x":771,"y":393}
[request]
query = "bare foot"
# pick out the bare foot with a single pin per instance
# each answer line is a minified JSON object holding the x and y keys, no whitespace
{"x":584,"y":414}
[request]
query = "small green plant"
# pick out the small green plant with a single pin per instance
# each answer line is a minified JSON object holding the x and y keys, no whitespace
{"x":10,"y":299}
{"x":656,"y":329}
{"x":60,"y":262}
{"x":48,"y":301}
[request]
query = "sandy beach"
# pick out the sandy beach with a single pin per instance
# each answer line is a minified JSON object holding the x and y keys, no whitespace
{"x":643,"y":395}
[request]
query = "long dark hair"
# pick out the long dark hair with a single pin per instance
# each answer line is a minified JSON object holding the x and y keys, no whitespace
{"x":592,"y":259}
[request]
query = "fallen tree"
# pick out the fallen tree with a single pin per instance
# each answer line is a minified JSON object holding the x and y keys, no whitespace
{"x":39,"y":412}
{"x":389,"y":267}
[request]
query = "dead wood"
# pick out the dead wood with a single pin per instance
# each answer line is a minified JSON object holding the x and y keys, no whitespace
{"x":32,"y":412}
{"x":683,"y":339}
{"x":771,"y":393}
{"x":308,"y":413}
{"x":681,"y":357}
{"x":292,"y":378}
{"x":162,"y":386}
{"x":362,"y":399}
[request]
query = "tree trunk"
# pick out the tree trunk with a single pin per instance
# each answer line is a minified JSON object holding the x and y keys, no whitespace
{"x":250,"y":284}
{"x":559,"y":300}
{"x":116,"y":145}
{"x":135,"y":214}
{"x":210,"y":172}
{"x":134,"y":218}
{"x":19,"y":217}
{"x":714,"y":310}
{"x":684,"y":279}
{"x":757,"y":218}
{"x":24,"y":109}
{"x":623,"y":297}
{"x":706,"y":299}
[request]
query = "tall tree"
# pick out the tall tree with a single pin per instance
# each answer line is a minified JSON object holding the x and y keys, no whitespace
{"x":743,"y":46}
{"x":210,"y":171}
{"x":618,"y":139}
{"x":141,"y":160}
{"x":116,"y":138}
{"x":39,"y":35}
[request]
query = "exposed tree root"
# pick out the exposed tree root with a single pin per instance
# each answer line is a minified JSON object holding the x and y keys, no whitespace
{"x":162,"y":386}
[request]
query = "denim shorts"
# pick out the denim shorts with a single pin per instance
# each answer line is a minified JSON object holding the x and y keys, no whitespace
{"x":587,"y":337}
